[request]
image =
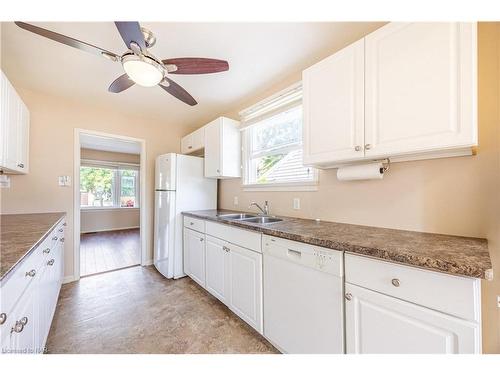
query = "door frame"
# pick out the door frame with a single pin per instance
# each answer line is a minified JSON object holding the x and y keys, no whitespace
{"x":143,"y":208}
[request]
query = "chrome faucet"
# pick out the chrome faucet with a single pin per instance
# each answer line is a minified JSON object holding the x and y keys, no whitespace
{"x":264,"y":210}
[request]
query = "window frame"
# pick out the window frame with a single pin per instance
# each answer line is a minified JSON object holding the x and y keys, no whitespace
{"x":116,"y":168}
{"x":248,"y":155}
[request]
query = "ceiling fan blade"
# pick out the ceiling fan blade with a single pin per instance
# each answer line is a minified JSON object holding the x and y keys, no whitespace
{"x":67,"y":40}
{"x":196,"y":65}
{"x":131,"y":32}
{"x":120,"y":84}
{"x":177,"y":91}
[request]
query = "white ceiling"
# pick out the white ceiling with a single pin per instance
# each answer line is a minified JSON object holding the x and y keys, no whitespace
{"x":260,"y":56}
{"x":102,"y":143}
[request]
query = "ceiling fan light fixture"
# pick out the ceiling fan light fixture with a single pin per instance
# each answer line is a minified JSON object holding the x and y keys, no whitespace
{"x":144,"y":70}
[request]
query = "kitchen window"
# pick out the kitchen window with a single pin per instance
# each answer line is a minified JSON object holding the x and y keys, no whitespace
{"x":109,"y":185}
{"x":272,"y":144}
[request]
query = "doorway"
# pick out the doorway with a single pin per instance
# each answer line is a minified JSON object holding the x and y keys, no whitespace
{"x":109,"y":202}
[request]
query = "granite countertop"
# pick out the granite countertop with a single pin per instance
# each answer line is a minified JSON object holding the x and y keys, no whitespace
{"x":20,"y":234}
{"x":437,"y":252}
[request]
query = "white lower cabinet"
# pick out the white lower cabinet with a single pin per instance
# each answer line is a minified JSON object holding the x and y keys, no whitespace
{"x":376,"y":323}
{"x":245,"y":275}
{"x":29,"y":296}
{"x":231,"y":273}
{"x":217,"y":270}
{"x":194,"y":249}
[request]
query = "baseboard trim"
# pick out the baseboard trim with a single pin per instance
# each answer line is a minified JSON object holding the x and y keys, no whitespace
{"x":68,"y":279}
{"x":108,"y":230}
{"x":148,"y":262}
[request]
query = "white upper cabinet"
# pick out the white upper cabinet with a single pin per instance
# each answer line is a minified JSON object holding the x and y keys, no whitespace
{"x":407,"y":90}
{"x":193,"y":143}
{"x":333,"y":102}
{"x":14,"y":130}
{"x":222,"y":149}
{"x":420,"y":88}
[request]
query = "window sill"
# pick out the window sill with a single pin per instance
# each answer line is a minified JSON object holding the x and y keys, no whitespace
{"x":88,"y":209}
{"x":304,"y":186}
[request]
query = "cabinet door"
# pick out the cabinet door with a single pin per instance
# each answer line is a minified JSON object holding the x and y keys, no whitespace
{"x":187,"y":144}
{"x":213,"y":148}
{"x":194,"y":244}
{"x":23,"y":137}
{"x":333,"y":102}
{"x":217,"y":270}
{"x":24,"y":317}
{"x":44,"y":296}
{"x":245,"y":279}
{"x":198,"y":137}
{"x":376,"y":323}
{"x":12,"y":128}
{"x":420,"y":88}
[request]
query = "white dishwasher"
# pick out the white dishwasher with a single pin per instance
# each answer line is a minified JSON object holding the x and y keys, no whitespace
{"x":303,"y":297}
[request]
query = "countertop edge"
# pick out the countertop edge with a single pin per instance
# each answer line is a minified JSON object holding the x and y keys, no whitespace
{"x":391,"y":257}
{"x":4,"y":278}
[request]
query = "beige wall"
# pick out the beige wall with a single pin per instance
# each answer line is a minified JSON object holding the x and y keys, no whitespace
{"x":53,"y":121}
{"x":99,"y":220}
{"x":108,"y":219}
{"x":459,"y":196}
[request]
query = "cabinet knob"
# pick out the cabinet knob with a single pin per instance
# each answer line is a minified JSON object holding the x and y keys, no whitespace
{"x":65,"y":224}
{"x":20,"y":165}
{"x":19,"y":326}
{"x":31,"y":273}
{"x":348,"y":296}
{"x":50,"y":262}
{"x":190,"y":147}
{"x":3,"y":318}
{"x":201,"y":239}
{"x":226,"y":249}
{"x":357,"y":148}
{"x":368,"y":146}
{"x":61,"y":239}
{"x":218,"y":170}
{"x":46,"y":251}
{"x":54,"y":238}
{"x":61,"y":230}
{"x":395,"y":282}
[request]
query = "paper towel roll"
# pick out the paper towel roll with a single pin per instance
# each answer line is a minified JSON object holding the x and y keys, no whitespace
{"x":371,"y":171}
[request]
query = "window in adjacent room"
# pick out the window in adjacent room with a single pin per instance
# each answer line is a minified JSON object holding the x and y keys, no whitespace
{"x":272,"y":144}
{"x":108,"y":185}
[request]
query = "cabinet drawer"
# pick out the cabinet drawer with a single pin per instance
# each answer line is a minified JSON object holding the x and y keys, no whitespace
{"x":457,"y":296}
{"x":240,"y":237}
{"x":194,"y":224}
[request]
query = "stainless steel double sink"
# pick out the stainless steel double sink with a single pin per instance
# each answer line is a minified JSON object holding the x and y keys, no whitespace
{"x":250,"y":218}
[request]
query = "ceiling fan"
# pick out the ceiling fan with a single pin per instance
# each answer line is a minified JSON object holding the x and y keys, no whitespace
{"x":140,"y":65}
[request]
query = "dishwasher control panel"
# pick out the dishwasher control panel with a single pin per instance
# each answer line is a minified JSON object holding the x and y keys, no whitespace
{"x":319,"y":258}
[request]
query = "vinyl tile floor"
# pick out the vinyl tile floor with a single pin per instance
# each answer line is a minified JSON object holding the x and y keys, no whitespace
{"x":137,"y":310}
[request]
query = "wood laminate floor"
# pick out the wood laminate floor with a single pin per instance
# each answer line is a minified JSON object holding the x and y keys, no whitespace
{"x":137,"y":310}
{"x":107,"y":251}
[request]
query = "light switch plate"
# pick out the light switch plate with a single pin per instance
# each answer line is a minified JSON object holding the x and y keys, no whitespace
{"x":498,"y":301}
{"x":235,"y":201}
{"x":64,"y":180}
{"x":296,"y":203}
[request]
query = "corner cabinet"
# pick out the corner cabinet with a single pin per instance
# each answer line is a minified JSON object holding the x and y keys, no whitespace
{"x":407,"y":91}
{"x":14,"y":130}
{"x":222,"y":149}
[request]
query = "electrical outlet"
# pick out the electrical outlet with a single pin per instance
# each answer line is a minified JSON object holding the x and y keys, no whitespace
{"x":4,"y":181}
{"x":235,"y":201}
{"x":498,"y":301}
{"x":64,"y":181}
{"x":296,"y":203}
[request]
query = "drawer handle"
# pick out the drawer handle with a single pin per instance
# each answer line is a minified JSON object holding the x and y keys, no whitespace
{"x":348,"y":296}
{"x":3,"y":318}
{"x":20,"y":165}
{"x":294,"y":253}
{"x":190,"y":147}
{"x":31,"y":273}
{"x":19,"y":326}
{"x":46,"y":251}
{"x":60,"y":230}
{"x":226,"y":249}
{"x":395,"y":282}
{"x":50,"y":262}
{"x":55,"y":238}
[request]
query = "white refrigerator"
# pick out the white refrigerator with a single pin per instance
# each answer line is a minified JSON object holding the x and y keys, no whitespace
{"x":180,"y":186}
